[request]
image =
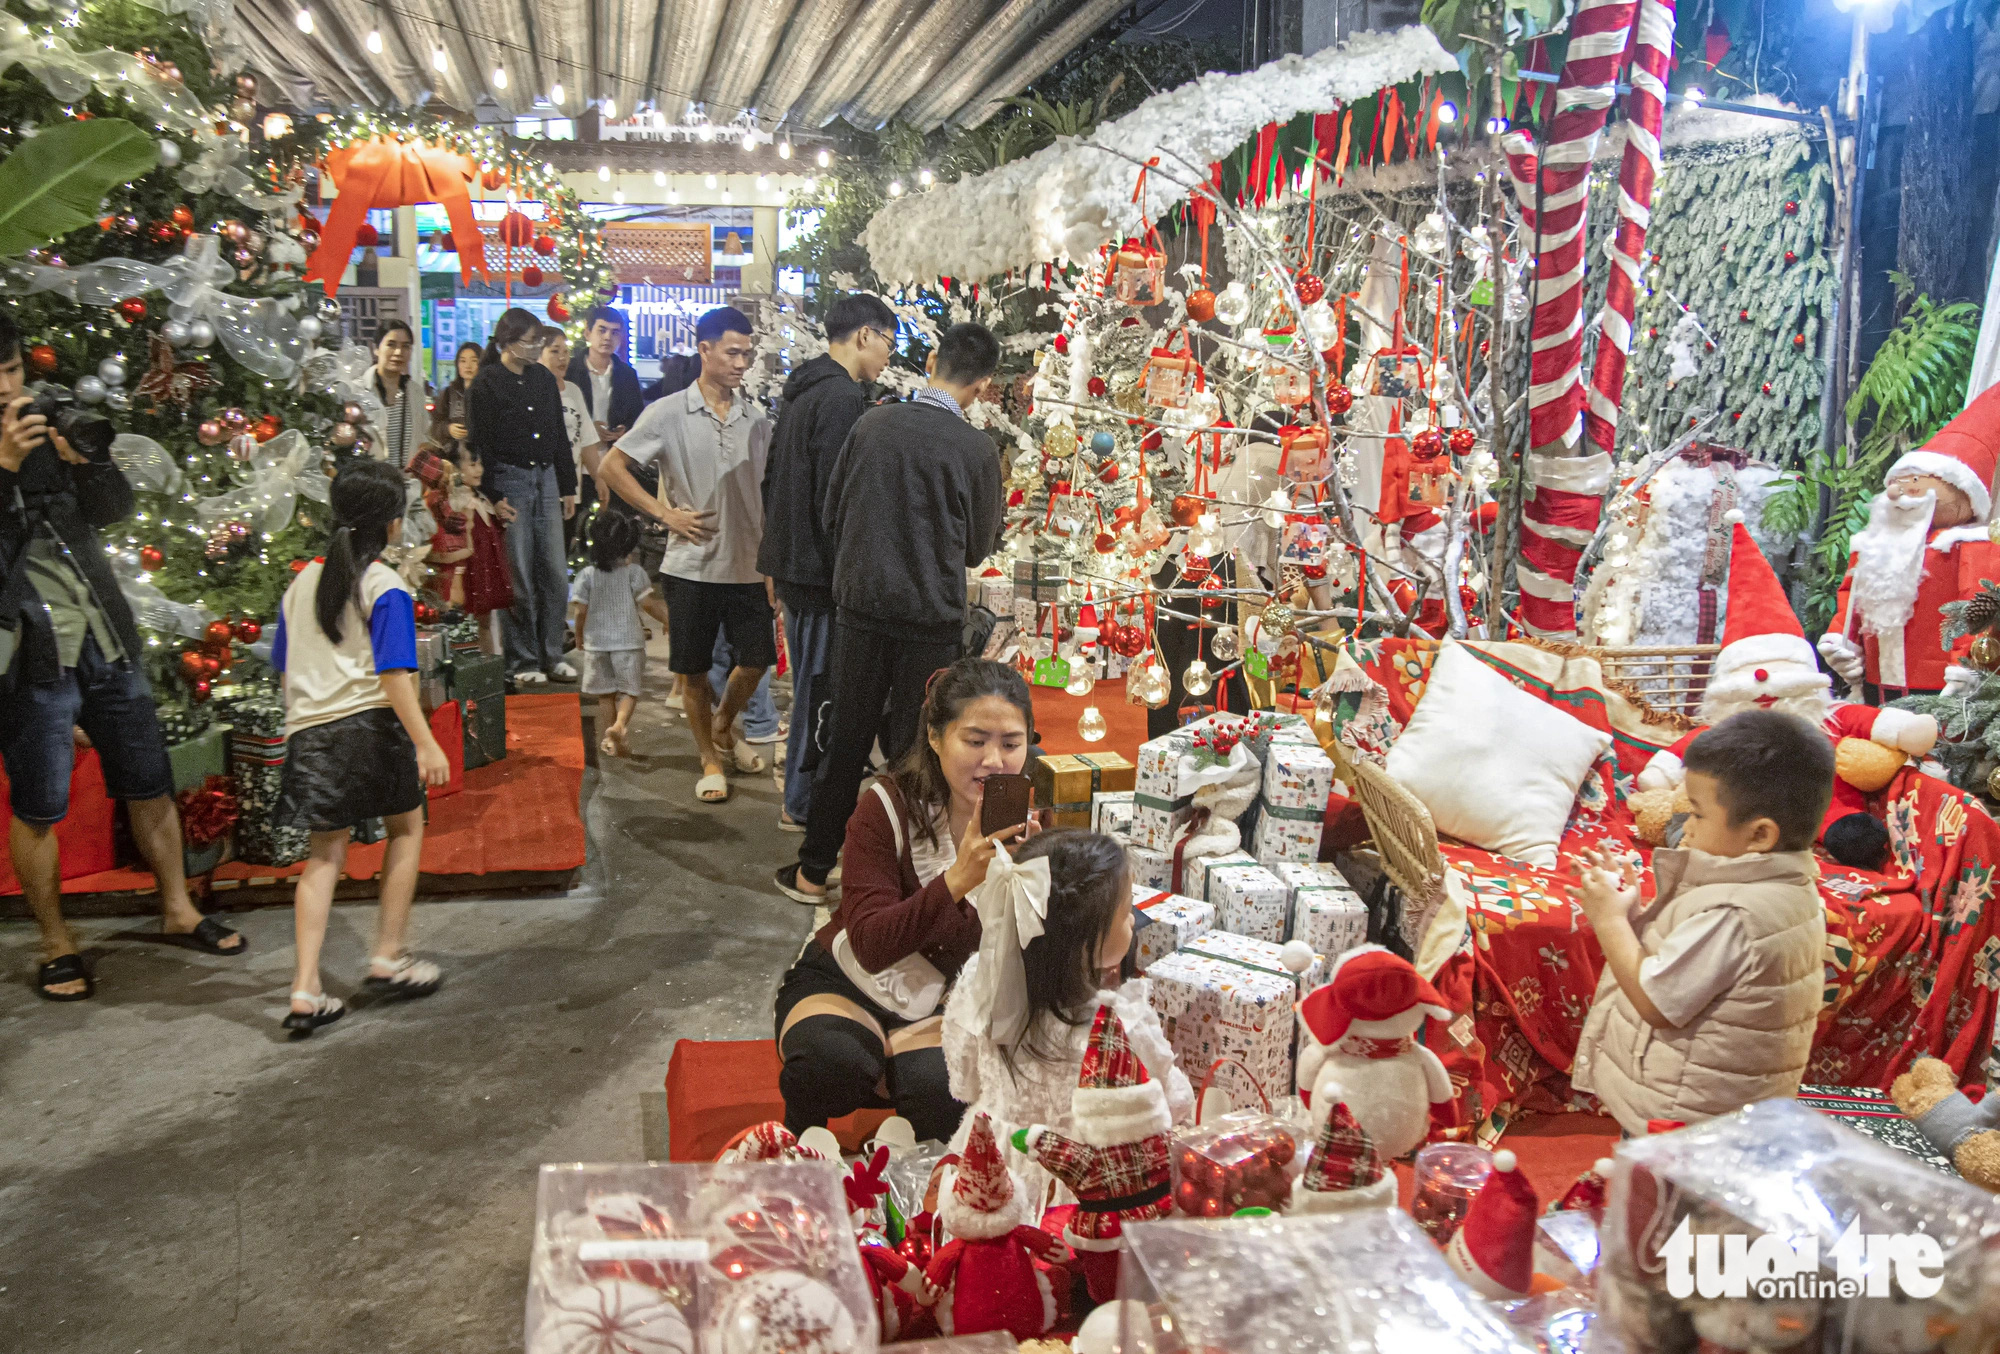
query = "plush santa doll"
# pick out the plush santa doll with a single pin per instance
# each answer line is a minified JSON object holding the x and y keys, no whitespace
{"x":1766,"y":664}
{"x":1359,"y":1049}
{"x":1117,"y":1165}
{"x":1344,"y":1171}
{"x":986,"y":1272}
{"x":1925,"y":544}
{"x":1494,"y":1248}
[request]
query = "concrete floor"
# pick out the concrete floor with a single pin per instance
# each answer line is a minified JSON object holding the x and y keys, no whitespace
{"x":177,"y":1177}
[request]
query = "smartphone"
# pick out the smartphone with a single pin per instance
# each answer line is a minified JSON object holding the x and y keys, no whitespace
{"x":1005,"y":803}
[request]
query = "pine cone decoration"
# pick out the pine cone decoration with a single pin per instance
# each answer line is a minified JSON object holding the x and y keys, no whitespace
{"x":1981,"y":610}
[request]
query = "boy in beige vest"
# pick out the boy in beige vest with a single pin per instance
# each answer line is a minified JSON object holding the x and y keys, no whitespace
{"x":1711,"y":992}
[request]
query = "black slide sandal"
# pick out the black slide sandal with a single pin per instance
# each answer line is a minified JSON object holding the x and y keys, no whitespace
{"x":207,"y":937}
{"x":66,"y":968}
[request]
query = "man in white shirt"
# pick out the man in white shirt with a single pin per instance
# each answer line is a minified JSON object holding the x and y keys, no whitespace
{"x":710,"y":442}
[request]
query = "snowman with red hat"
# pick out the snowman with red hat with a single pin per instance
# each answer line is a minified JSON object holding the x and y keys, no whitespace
{"x":1359,"y":1049}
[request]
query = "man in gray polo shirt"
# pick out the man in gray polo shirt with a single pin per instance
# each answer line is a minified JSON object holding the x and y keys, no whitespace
{"x":710,"y":443}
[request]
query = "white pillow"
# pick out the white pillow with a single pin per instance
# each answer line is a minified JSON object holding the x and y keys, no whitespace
{"x":1495,"y":766}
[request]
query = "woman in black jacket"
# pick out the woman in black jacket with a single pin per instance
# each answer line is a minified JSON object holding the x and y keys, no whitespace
{"x":515,"y":417}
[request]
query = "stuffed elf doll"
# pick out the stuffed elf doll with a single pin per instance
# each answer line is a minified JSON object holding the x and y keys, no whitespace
{"x":1118,"y":1166}
{"x":987,"y":1270}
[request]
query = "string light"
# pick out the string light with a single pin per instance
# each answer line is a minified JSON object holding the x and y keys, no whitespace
{"x":618,"y":197}
{"x":499,"y":77}
{"x":604,"y":173}
{"x":1447,"y":113}
{"x":924,"y":177}
{"x":708,"y":182}
{"x":812,"y":183}
{"x":305,"y":21}
{"x":895,"y":188}
{"x":785,"y":150}
{"x":763,"y":181}
{"x":556,"y":93}
{"x":659,"y":178}
{"x":375,"y":41}
{"x":673,"y":195}
{"x":438,"y":59}
{"x":825,"y":158}
{"x":725,"y":195}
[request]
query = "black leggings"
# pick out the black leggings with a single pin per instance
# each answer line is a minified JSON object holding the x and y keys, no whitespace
{"x":835,"y":1065}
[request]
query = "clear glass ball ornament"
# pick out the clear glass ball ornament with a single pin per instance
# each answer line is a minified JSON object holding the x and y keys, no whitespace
{"x":1197,"y":680}
{"x":1275,"y":508}
{"x":1324,"y":701}
{"x":1155,"y":686}
{"x":1082,"y":677}
{"x":1203,"y":408}
{"x":1321,"y":329}
{"x":1090,"y":725}
{"x":1232,"y":306}
{"x":1226,"y":644}
{"x":1206,"y":538}
{"x":1429,"y":236}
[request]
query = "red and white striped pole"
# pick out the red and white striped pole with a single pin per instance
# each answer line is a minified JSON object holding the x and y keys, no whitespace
{"x":1567,"y":483}
{"x":1645,"y":111}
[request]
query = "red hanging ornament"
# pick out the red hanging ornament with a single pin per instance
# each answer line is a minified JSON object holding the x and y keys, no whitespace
{"x":544,"y":245}
{"x":42,"y":360}
{"x":163,"y":232}
{"x":1798,"y":340}
{"x":1104,"y":542}
{"x":267,"y":427}
{"x":557,"y":310}
{"x":182,"y":217}
{"x":200,"y":691}
{"x":133,"y":308}
{"x":1790,"y":257}
{"x":216,"y":632}
{"x":1791,"y":209}
{"x":1062,"y":345}
{"x":1766,"y":387}
{"x":1201,"y":305}
{"x":191,"y":666}
{"x":1310,"y":288}
{"x":1339,"y":399}
{"x":516,"y":230}
{"x":248,"y":631}
{"x":1462,"y":441}
{"x":1427,"y":443}
{"x":1194,"y":568}
{"x":1095,"y":385}
{"x":1131,"y":640}
{"x":531,"y":276}
{"x":211,"y":666}
{"x":493,"y":180}
{"x":366,"y":236}
{"x":151,"y":557}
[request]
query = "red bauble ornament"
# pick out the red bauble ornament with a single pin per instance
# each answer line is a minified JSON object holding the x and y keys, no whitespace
{"x":248,"y":631}
{"x":133,"y":308}
{"x":1462,"y":441}
{"x":1427,"y":443}
{"x":544,"y":245}
{"x":531,"y":276}
{"x":1104,"y":542}
{"x":267,"y":427}
{"x":1339,"y":399}
{"x":1108,"y":472}
{"x":200,"y":691}
{"x":215,"y":632}
{"x":1313,"y":572}
{"x":557,"y":310}
{"x":298,"y":564}
{"x":211,"y":665}
{"x":1798,"y":340}
{"x":1790,"y":257}
{"x":1201,"y":305}
{"x":1107,"y":633}
{"x":182,"y":218}
{"x":1095,"y":385}
{"x":493,"y":179}
{"x":1062,"y":345}
{"x":366,"y":236}
{"x":1743,"y":315}
{"x":42,"y":360}
{"x":1791,"y":209}
{"x":1310,"y":288}
{"x":516,"y":230}
{"x":163,"y":232}
{"x":191,"y":666}
{"x":1766,"y":387}
{"x":151,"y":557}
{"x":1194,"y":568}
{"x":1131,"y":640}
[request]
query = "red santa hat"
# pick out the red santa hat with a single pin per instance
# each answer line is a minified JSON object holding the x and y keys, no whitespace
{"x":982,"y":1203}
{"x":1962,"y":453}
{"x":1764,"y":652}
{"x":1494,"y":1249}
{"x":1344,"y":1170}
{"x":1368,"y":984}
{"x":1115,"y":1101}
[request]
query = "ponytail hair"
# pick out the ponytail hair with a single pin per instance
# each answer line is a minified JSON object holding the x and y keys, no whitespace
{"x":513,"y":325}
{"x":367,"y":496}
{"x":1088,"y":885}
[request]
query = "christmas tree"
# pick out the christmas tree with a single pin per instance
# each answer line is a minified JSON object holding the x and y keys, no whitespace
{"x":1968,"y":730}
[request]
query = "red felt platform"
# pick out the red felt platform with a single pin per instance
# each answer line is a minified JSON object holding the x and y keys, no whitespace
{"x":514,"y":816}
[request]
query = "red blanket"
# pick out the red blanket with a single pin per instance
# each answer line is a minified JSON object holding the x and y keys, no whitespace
{"x":1912,"y":958}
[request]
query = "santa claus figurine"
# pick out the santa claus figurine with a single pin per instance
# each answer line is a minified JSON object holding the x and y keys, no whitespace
{"x":1118,"y":1162}
{"x":1926,"y":544}
{"x":1766,"y":664}
{"x":986,"y":1272}
{"x":1360,"y":1049}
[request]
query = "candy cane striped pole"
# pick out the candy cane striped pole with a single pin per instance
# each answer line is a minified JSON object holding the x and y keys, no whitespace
{"x":1645,"y":110}
{"x":1566,"y":481}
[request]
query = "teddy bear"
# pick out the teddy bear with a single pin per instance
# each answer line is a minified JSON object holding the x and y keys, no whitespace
{"x":1655,"y":813}
{"x":1968,"y":1133}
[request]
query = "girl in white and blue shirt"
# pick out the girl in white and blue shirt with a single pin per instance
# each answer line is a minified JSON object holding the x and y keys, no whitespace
{"x":357,"y":745}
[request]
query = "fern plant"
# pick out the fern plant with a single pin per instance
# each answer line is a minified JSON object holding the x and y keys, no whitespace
{"x":1913,"y":387}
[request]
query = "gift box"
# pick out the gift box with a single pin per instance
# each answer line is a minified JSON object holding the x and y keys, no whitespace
{"x":1833,"y":1224}
{"x":1333,"y":920}
{"x":1873,"y":1114}
{"x":1157,"y":822}
{"x":434,"y":691}
{"x":1307,"y":876}
{"x":717,"y":1256}
{"x":194,"y":762}
{"x":1151,"y":870}
{"x":1167,"y":921}
{"x":1201,"y":870}
{"x":1261,"y":956}
{"x":259,"y":768}
{"x":1287,"y":835}
{"x":480,"y":684}
{"x":1250,"y":901}
{"x":1261,"y":730}
{"x":1297,"y":776}
{"x":448,"y":727}
{"x":433,"y":650}
{"x":1365,"y":1280}
{"x":1066,"y":783}
{"x":1214,"y":1007}
{"x":1111,"y":812}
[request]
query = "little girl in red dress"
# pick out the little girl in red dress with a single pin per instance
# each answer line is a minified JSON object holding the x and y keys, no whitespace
{"x":469,"y":550}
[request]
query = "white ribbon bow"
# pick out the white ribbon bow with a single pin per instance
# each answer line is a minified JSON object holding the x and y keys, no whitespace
{"x":1012,"y":903}
{"x":281,"y":470}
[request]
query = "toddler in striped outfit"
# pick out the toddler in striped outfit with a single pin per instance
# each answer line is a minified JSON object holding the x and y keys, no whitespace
{"x":609,"y":595}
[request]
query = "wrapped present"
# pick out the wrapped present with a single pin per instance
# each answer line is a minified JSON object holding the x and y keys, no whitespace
{"x":1111,"y":812}
{"x":719,"y":1256}
{"x":1780,"y":1179}
{"x":1066,"y":783}
{"x":1214,"y":1007}
{"x":1250,"y":901}
{"x":1297,"y":776}
{"x":1873,"y":1114}
{"x":480,"y":684}
{"x":1261,"y":956}
{"x":1287,"y":835}
{"x":1151,"y":870}
{"x":1315,"y":875}
{"x":195,"y":759}
{"x":1265,"y":728}
{"x":434,"y":691}
{"x":1157,"y":822}
{"x":433,"y":650}
{"x":1199,"y":871}
{"x":260,"y":773}
{"x":1332,"y":919}
{"x":1167,"y":921}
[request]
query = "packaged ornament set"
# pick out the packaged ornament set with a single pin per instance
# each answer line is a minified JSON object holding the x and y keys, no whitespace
{"x":737,"y":1258}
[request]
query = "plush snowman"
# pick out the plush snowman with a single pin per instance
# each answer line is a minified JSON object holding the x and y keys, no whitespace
{"x":1359,"y":1049}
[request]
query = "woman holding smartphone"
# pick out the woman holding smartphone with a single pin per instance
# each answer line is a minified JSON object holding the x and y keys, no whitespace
{"x":858,"y":1013}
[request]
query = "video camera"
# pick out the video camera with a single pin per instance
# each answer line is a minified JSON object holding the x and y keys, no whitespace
{"x":89,"y":434}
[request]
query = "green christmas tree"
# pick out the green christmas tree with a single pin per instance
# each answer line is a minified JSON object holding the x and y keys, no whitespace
{"x":1969,"y":723}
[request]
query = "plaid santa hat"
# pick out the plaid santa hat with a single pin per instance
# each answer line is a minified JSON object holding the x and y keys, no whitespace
{"x":1494,"y":1250}
{"x":1115,"y":1101}
{"x":983,"y":1202}
{"x":1344,"y":1170}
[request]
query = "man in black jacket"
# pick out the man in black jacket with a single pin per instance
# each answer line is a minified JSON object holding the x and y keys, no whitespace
{"x":609,"y":384}
{"x":821,"y":402}
{"x":915,"y":500}
{"x":70,"y":657}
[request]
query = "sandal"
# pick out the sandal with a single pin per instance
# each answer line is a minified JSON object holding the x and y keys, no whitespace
{"x":325,"y":1010}
{"x":65,"y":968}
{"x":712,"y":788}
{"x":207,"y":936}
{"x":406,"y":980}
{"x":739,"y":750}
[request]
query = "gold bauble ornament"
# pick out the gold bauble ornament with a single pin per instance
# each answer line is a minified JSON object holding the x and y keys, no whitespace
{"x":1279,"y":618}
{"x":1993,"y":783}
{"x":1060,"y":443}
{"x":1984,"y":653}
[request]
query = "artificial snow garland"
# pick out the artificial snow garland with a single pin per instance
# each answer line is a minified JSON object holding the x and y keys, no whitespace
{"x":1070,"y":199}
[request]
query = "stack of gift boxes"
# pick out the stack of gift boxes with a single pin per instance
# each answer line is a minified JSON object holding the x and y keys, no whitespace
{"x":1212,"y":928}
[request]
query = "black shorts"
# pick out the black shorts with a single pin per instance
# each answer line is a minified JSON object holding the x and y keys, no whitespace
{"x":340,"y":775}
{"x":697,"y":612}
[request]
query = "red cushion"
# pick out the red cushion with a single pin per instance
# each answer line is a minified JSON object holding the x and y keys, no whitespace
{"x":716,"y":1088}
{"x":448,"y":727}
{"x":84,"y":836}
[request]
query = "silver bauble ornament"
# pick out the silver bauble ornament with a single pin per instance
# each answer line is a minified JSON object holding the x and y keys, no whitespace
{"x":170,"y":152}
{"x":328,"y":309}
{"x":200,"y":333}
{"x":117,"y":401}
{"x":89,"y":390}
{"x":111,"y":371}
{"x":176,"y":332}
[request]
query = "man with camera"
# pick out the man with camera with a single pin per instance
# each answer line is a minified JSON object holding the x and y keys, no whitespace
{"x":71,"y":658}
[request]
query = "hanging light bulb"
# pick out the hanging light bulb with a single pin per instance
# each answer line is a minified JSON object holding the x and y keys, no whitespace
{"x":556,"y":93}
{"x":1206,"y":538}
{"x":610,"y":110}
{"x":1155,"y":686}
{"x":725,"y":195}
{"x":499,"y":77}
{"x":1197,"y":680}
{"x":785,"y":150}
{"x":812,"y":183}
{"x":763,"y":180}
{"x":1275,"y":508}
{"x":1082,"y":677}
{"x":1090,"y":725}
{"x":1233,"y":306}
{"x":375,"y":41}
{"x":659,"y":178}
{"x":618,"y":197}
{"x":1226,"y":644}
{"x":1447,"y":113}
{"x":824,"y":158}
{"x":437,"y":59}
{"x":708,"y":182}
{"x":304,"y":19}
{"x":673,"y":195}
{"x":604,"y":173}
